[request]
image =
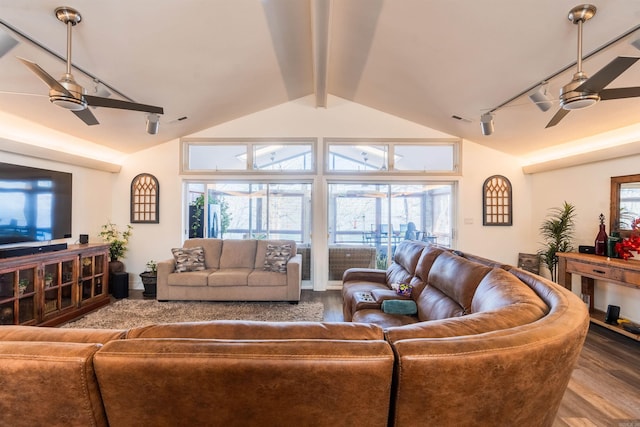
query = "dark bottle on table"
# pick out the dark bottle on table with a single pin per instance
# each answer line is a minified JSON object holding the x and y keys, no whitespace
{"x":601,"y":239}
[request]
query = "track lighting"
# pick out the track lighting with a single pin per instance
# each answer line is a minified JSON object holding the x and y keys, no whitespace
{"x":153,"y":123}
{"x":486,"y":124}
{"x":540,"y":97}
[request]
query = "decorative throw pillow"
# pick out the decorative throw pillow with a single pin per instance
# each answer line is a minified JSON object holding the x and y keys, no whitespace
{"x":397,"y":306}
{"x":276,"y":257}
{"x":188,"y":259}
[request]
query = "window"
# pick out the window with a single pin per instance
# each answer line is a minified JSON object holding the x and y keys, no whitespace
{"x":382,"y":215}
{"x":244,"y":210}
{"x":284,"y":155}
{"x":397,"y":156}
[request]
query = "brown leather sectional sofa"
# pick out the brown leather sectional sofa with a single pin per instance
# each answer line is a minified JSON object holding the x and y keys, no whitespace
{"x":490,"y":345}
{"x":221,"y":373}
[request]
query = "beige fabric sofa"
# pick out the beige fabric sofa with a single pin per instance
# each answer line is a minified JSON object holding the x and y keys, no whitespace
{"x":234,"y":271}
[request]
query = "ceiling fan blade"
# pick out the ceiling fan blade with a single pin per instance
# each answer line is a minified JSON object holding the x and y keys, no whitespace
{"x":607,"y":74}
{"x":45,"y":77}
{"x":619,"y":93}
{"x":557,"y":117}
{"x":98,"y":101}
{"x":86,"y":116}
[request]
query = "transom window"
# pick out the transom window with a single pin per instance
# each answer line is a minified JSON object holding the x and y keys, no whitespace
{"x":265,"y":155}
{"x":376,"y":156}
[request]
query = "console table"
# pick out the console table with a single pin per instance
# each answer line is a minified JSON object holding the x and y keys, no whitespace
{"x":51,"y":288}
{"x":595,"y":267}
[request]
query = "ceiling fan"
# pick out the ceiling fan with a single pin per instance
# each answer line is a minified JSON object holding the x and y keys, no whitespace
{"x":583,"y":91}
{"x":67,"y":93}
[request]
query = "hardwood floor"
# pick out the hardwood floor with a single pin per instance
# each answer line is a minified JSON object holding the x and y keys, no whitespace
{"x":604,"y":390}
{"x":605,"y":386}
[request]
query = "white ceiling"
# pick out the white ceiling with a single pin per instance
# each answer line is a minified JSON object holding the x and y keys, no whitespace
{"x":423,"y":60}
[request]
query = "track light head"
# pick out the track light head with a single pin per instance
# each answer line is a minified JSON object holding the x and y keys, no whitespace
{"x":486,"y":124}
{"x":153,"y":123}
{"x":540,"y":97}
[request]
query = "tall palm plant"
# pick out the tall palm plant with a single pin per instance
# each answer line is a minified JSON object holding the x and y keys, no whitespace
{"x":557,"y":231}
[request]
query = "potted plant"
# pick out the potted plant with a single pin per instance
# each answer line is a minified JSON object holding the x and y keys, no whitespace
{"x":48,"y":279}
{"x":117,"y":244}
{"x":22,"y":286}
{"x":557,"y":230}
{"x":149,"y":279}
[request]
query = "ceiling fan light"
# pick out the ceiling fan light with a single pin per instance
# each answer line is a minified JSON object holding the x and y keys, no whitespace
{"x":580,"y":102}
{"x":68,"y":103}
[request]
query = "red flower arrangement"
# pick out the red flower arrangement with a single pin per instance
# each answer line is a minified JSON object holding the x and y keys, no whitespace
{"x":631,"y":243}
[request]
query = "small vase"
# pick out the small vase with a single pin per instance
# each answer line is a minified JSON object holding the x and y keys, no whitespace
{"x":116,"y":266}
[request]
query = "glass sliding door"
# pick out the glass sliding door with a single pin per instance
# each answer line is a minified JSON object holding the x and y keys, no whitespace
{"x":377,"y":217}
{"x":252,"y":210}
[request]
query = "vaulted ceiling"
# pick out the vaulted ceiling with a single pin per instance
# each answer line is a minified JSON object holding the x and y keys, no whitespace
{"x":210,"y":61}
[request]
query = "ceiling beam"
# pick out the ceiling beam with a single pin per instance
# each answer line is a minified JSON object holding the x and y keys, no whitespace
{"x":320,"y":30}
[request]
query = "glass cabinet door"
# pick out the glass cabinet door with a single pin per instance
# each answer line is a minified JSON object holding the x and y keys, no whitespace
{"x":18,"y":295}
{"x":7,"y":297}
{"x":58,"y":280}
{"x":92,"y":278}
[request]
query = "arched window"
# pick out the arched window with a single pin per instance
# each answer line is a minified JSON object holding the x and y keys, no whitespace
{"x":145,"y":199}
{"x":497,"y":202}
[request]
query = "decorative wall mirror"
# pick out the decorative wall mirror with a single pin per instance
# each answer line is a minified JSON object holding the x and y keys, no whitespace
{"x":497,"y":202}
{"x":625,"y":203}
{"x":145,"y":199}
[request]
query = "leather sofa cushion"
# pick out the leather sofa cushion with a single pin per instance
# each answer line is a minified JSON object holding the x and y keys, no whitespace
{"x":49,"y":383}
{"x":500,"y":288}
{"x":450,"y":288}
{"x":254,"y":330}
{"x":35,"y":333}
{"x":212,"y":250}
{"x":404,"y":263}
{"x":230,"y":277}
{"x":249,"y":383}
{"x":238,"y":253}
{"x":421,"y":275}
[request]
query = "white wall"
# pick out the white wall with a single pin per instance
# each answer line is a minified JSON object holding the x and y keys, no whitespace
{"x":588,"y":188}
{"x":500,"y":243}
{"x":299,"y":118}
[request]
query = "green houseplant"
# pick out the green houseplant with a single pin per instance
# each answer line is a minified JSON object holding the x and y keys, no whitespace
{"x":150,"y":279}
{"x":117,"y":240}
{"x":557,"y":231}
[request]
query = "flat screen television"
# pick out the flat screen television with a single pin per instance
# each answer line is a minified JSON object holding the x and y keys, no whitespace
{"x":35,"y":204}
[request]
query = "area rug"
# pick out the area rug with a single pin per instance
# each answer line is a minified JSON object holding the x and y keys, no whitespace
{"x":128,"y":313}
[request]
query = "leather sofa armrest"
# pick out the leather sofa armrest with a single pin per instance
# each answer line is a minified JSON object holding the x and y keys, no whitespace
{"x":365,"y":274}
{"x":50,"y":383}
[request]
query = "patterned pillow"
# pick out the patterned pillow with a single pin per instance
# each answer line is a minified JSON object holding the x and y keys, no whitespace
{"x":189,"y":259}
{"x":276,"y":257}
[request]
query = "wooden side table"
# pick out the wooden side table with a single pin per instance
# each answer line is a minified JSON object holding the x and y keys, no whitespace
{"x":595,"y":267}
